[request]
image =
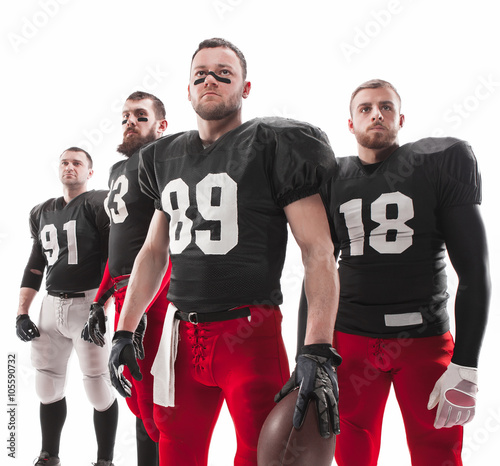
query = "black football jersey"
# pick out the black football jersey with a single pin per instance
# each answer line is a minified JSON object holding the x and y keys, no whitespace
{"x":228,"y":230}
{"x":385,"y":221}
{"x":73,"y":239}
{"x":130,"y":212}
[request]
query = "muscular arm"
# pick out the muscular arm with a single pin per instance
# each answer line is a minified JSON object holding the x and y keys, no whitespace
{"x":149,"y":269}
{"x":309,"y":225}
{"x":465,"y":238}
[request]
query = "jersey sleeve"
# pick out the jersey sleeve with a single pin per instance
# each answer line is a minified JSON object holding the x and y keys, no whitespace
{"x":459,"y":181}
{"x":303,"y":162}
{"x":101,"y":221}
{"x":147,"y":175}
{"x":36,"y":259}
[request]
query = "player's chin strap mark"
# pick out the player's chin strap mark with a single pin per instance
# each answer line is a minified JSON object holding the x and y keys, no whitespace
{"x":218,"y":78}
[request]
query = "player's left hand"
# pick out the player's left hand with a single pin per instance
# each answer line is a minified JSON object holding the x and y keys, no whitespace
{"x":455,"y":394}
{"x":122,"y":353}
{"x":316,"y":376}
{"x":95,"y":327}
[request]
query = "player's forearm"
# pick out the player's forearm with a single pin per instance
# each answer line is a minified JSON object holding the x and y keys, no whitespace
{"x":145,"y":280}
{"x":466,"y":242}
{"x":26,"y":297}
{"x":471,"y":314}
{"x":321,"y":284}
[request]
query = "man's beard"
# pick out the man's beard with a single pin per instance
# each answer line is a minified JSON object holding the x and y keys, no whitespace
{"x":219,"y":112}
{"x":375,"y":140}
{"x":132,"y":144}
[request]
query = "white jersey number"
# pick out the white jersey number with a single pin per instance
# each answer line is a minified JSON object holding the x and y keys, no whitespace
{"x":395,"y":228}
{"x":50,"y":242}
{"x":118,"y":189}
{"x":216,"y":199}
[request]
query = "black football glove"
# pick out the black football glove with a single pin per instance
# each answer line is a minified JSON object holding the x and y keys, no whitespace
{"x":122,"y":353}
{"x":26,"y":330}
{"x":139,"y":337}
{"x":95,"y":327}
{"x":316,"y":376}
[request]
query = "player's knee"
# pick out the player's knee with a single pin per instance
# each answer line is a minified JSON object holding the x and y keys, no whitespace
{"x":49,"y":388}
{"x":99,"y":392}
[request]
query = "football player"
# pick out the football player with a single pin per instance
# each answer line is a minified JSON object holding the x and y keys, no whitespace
{"x":130,"y":212}
{"x":224,"y":195}
{"x":395,"y":212}
{"x":70,"y":241}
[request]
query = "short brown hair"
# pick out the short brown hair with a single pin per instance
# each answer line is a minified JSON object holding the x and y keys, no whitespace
{"x":77,"y":149}
{"x":218,"y":42}
{"x":373,"y":84}
{"x":158,"y":106}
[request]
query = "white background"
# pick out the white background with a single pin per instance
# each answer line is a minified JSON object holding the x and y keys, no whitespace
{"x":68,"y":65}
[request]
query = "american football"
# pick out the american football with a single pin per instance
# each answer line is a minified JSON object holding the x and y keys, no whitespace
{"x":281,"y":444}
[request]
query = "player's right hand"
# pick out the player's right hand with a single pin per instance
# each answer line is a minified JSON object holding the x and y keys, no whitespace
{"x":316,"y":377}
{"x":26,"y":330}
{"x":95,"y":327}
{"x":122,"y":353}
{"x":139,"y":337}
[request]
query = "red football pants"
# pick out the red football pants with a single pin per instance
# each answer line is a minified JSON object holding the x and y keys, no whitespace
{"x":413,"y":366}
{"x":141,"y":401}
{"x":241,"y":362}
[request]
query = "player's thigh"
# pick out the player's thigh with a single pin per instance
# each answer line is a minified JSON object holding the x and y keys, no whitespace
{"x":51,"y":350}
{"x":188,"y":426}
{"x":424,"y":361}
{"x":363,"y":384}
{"x":251,"y":366}
{"x":93,"y":359}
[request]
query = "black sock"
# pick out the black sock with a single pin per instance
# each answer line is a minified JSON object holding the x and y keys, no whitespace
{"x":147,"y":449}
{"x":105,"y":425}
{"x":52,"y":418}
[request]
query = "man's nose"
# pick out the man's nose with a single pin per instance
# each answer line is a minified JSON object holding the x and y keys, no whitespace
{"x":209,"y":79}
{"x":377,"y":114}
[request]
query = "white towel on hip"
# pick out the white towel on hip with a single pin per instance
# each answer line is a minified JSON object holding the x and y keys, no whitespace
{"x":163,"y":368}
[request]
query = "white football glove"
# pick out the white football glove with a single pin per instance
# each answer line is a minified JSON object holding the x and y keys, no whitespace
{"x":455,"y":394}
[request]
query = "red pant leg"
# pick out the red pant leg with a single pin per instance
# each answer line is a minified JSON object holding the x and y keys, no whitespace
{"x":241,"y":361}
{"x":368,"y":368}
{"x":364,"y":387}
{"x":251,"y":366}
{"x":423,"y":361}
{"x":141,"y":401}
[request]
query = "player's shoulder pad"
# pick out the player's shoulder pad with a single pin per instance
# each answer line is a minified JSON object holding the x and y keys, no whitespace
{"x":346,"y":164}
{"x":281,"y":124}
{"x":48,"y":205}
{"x":450,"y":157}
{"x":117,"y":165}
{"x":165,"y":141}
{"x":438,"y":146}
{"x":451,"y":153}
{"x":96,"y":196}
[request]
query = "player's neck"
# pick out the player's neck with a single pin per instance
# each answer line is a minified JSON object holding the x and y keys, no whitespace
{"x":211,"y":130}
{"x":369,"y":156}
{"x":70,"y":192}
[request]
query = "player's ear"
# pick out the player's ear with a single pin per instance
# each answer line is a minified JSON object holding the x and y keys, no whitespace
{"x":350,"y":125}
{"x":401,"y":120}
{"x":91,"y":172}
{"x":162,"y":126}
{"x":189,"y":93}
{"x":246,"y":89}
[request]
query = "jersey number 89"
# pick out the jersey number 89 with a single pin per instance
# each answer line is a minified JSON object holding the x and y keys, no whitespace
{"x":175,"y":201}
